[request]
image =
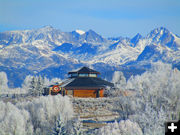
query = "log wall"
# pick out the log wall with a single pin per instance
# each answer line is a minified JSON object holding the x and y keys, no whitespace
{"x":85,"y":93}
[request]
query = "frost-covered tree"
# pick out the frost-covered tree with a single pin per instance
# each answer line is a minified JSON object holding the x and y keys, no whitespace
{"x":32,"y":83}
{"x":46,"y":81}
{"x":60,"y":126}
{"x":150,"y":120}
{"x":44,"y":110}
{"x":160,"y":87}
{"x":119,"y":80}
{"x":77,"y":127}
{"x":36,"y":86}
{"x":124,"y":127}
{"x":157,"y":98}
{"x":124,"y":106}
{"x":40,"y":85}
{"x":33,"y":87}
{"x":119,"y":84}
{"x":34,"y":117}
{"x":27,"y":82}
{"x":14,"y":121}
{"x":3,"y":82}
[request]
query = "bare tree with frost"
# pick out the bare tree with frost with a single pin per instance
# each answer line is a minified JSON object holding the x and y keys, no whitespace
{"x":124,"y":127}
{"x":3,"y":82}
{"x":14,"y":121}
{"x":119,"y":85}
{"x":119,"y":80}
{"x":34,"y":117}
{"x":157,"y":98}
{"x":27,"y":82}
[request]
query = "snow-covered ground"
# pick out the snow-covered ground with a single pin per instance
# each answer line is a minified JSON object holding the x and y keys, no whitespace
{"x":97,"y":109}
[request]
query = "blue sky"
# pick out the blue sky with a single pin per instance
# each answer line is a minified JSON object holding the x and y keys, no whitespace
{"x":106,"y":17}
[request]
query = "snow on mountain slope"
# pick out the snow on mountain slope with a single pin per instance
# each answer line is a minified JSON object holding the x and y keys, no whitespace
{"x":158,"y":52}
{"x":91,"y":36}
{"x":161,"y":44}
{"x":48,"y":49}
{"x":34,"y":49}
{"x":45,"y":34}
{"x":136,"y":39}
{"x":123,"y":50}
{"x":176,"y":41}
{"x":80,"y":32}
{"x":32,"y":57}
{"x":163,"y":37}
{"x":87,"y":46}
{"x":118,"y":56}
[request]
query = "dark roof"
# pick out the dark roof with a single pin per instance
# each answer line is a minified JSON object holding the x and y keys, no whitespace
{"x":85,"y":70}
{"x":88,"y":82}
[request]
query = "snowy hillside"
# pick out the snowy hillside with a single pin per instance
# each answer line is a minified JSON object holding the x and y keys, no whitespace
{"x":52,"y":52}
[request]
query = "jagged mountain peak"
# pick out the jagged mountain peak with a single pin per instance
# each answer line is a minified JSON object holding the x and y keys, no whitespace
{"x":136,"y":38}
{"x":162,"y":36}
{"x":91,"y":31}
{"x":92,"y":36}
{"x":158,"y":32}
{"x":46,"y":29}
{"x":138,"y":35}
{"x":161,"y":29}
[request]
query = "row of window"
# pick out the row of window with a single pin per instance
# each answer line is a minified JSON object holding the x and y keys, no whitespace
{"x":83,"y":75}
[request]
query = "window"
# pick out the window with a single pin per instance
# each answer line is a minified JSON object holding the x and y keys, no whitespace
{"x":92,"y":75}
{"x":70,"y":92}
{"x":74,"y":75}
{"x":83,"y":75}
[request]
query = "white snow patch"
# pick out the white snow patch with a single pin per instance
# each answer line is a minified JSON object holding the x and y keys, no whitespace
{"x":177,"y":40}
{"x":80,"y":32}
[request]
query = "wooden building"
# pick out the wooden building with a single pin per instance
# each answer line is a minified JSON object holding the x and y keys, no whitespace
{"x":82,"y":83}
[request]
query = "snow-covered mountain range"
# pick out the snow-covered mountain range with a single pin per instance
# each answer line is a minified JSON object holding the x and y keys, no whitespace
{"x":52,"y":52}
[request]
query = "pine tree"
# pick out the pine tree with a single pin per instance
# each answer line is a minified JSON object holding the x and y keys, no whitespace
{"x":33,"y":87}
{"x":77,"y":127}
{"x":60,"y":127}
{"x":40,"y":86}
{"x":36,"y":86}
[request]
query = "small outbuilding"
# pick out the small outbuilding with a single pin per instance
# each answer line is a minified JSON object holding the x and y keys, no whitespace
{"x":82,"y":83}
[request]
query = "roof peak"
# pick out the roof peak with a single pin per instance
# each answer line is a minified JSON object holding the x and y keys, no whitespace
{"x":85,"y":70}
